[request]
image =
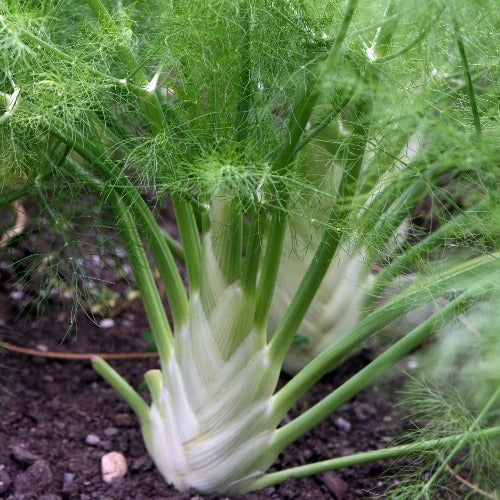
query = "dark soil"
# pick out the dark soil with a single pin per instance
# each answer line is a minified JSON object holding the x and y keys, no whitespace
{"x":52,"y":406}
{"x":49,"y":408}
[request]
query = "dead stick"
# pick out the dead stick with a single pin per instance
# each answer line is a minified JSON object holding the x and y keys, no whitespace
{"x":76,"y":356}
{"x":471,"y":486}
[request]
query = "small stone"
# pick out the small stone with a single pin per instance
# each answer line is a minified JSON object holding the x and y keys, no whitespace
{"x":42,"y":347}
{"x":111,"y":431}
{"x":343,"y":424}
{"x":335,"y":484}
{"x":16,"y":295}
{"x":68,"y":477}
{"x":113,"y":466}
{"x":22,"y":455}
{"x":142,"y":464}
{"x":5,"y":480}
{"x":107,"y":323}
{"x":92,"y":440}
{"x":34,"y":478}
{"x":412,"y":364}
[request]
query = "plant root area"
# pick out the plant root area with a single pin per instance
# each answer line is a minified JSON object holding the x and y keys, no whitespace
{"x":58,"y":417}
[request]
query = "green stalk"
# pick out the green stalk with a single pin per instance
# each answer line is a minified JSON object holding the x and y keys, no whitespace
{"x":144,"y":279}
{"x":460,"y":444}
{"x":303,"y":110}
{"x":122,"y":387}
{"x":245,"y":99}
{"x":253,"y":249}
{"x":227,"y":236}
{"x":366,"y":457}
{"x":483,"y":267}
{"x":296,"y":127}
{"x":416,"y":40}
{"x":270,"y":266}
{"x":282,"y":338}
{"x":175,"y":247}
{"x":116,"y":181}
{"x":325,"y":122}
{"x":467,"y":73}
{"x":152,"y":108}
{"x":149,"y":100}
{"x":190,"y":242}
{"x":354,"y":156}
{"x":312,"y":417}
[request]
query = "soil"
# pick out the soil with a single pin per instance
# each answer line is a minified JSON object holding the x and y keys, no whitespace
{"x":58,"y":418}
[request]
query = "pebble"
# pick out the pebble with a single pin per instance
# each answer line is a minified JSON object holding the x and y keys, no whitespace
{"x":68,"y":477}
{"x":22,"y":455}
{"x":111,"y":431}
{"x":5,"y":480}
{"x":412,"y":364}
{"x":335,"y":484}
{"x":343,"y":424}
{"x":113,"y":466}
{"x":92,"y":440}
{"x":34,"y":478}
{"x":107,"y":323}
{"x":16,"y":295}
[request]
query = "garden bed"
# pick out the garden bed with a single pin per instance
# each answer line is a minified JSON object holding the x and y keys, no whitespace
{"x":50,"y":408}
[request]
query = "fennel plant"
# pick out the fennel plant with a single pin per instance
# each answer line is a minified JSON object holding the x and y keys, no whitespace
{"x":229,"y":109}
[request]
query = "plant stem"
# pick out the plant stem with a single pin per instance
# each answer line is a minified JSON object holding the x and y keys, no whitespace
{"x":468,"y":78}
{"x":365,"y":457}
{"x":145,"y":281}
{"x":227,"y":235}
{"x":253,"y":249}
{"x":270,"y":266}
{"x":190,"y":242}
{"x":303,"y":110}
{"x":149,"y":100}
{"x":309,"y":419}
{"x":416,"y":40}
{"x":117,"y":182}
{"x":354,"y":155}
{"x":122,"y":387}
{"x":296,"y":127}
{"x":481,"y":269}
{"x":245,"y":98}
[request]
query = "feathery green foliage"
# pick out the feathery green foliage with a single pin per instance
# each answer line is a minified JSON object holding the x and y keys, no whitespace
{"x":314,"y":128}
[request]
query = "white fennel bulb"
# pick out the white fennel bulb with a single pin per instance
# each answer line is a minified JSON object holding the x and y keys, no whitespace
{"x":211,"y":421}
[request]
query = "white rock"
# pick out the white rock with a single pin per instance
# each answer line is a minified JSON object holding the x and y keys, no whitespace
{"x":92,"y":440}
{"x":113,"y":466}
{"x":107,"y":323}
